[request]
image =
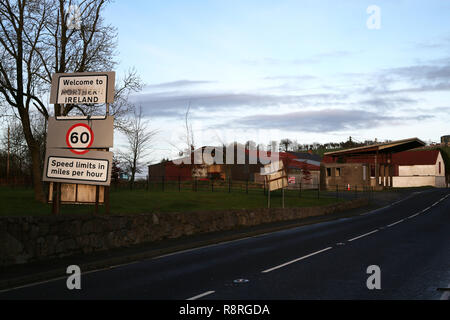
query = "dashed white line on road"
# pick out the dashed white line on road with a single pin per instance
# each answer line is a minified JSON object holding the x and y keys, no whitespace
{"x":446,"y":294}
{"x":393,"y":224}
{"x":32,"y":284}
{"x":414,"y":215}
{"x":296,"y":260}
{"x":202,"y":247}
{"x":363,"y":235}
{"x":207,"y":293}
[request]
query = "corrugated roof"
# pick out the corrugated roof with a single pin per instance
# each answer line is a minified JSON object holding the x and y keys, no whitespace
{"x":306,"y":155}
{"x":419,"y":157}
{"x":394,"y":146}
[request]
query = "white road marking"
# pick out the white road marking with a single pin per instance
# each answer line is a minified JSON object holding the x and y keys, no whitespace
{"x":296,"y":260}
{"x":65,"y":277}
{"x":393,"y":224}
{"x":32,"y":284}
{"x":204,"y":247}
{"x":414,"y":215}
{"x":363,"y":235}
{"x":446,"y":294}
{"x":207,"y":293}
{"x":389,"y":205}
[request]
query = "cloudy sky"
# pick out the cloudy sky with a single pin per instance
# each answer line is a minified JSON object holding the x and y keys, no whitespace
{"x":306,"y":70}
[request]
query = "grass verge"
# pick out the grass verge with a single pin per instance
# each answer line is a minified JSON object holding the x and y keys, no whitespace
{"x":20,"y":201}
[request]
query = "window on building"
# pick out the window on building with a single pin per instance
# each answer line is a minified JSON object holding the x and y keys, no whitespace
{"x":364,"y":173}
{"x":338,"y":172}
{"x":372,"y":171}
{"x":328,"y":172}
{"x":439,"y":167}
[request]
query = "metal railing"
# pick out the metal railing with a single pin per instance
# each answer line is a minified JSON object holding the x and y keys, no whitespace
{"x":247,"y":186}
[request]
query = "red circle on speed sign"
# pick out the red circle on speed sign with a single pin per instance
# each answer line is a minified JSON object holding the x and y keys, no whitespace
{"x":79,"y":137}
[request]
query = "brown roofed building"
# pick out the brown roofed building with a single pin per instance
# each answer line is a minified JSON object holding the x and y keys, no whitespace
{"x":367,"y":166}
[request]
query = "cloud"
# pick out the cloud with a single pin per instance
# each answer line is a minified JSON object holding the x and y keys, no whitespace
{"x":174,"y":103}
{"x":342,"y":107}
{"x":438,"y":43}
{"x":423,"y":88}
{"x":318,"y":58}
{"x":442,"y":111}
{"x":426,"y":77}
{"x":421,"y":73}
{"x":298,"y":78}
{"x":327,"y":120}
{"x":179,"y":83}
{"x":387,"y":103}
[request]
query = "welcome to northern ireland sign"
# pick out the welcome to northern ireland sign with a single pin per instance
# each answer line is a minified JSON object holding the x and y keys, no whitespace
{"x":83,"y":88}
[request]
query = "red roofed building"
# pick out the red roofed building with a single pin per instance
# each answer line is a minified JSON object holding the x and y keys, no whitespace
{"x":391,"y":164}
{"x":418,"y":168}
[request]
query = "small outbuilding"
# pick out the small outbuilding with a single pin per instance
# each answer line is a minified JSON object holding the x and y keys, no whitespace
{"x":419,"y":168}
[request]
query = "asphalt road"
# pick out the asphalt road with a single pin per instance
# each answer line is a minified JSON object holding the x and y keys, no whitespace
{"x":409,"y":241}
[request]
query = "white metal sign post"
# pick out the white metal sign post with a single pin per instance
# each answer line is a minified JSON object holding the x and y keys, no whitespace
{"x":276,"y":178}
{"x":78,"y":147}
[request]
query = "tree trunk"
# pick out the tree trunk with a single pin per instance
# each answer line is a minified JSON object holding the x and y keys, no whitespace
{"x":35,"y":151}
{"x":133,"y":173}
{"x":39,"y":194}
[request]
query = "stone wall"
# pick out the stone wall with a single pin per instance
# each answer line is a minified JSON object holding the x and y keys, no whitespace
{"x":37,"y":238}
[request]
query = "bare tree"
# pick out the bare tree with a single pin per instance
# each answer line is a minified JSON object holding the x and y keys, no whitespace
{"x":187,"y":138}
{"x":190,"y":143}
{"x":21,"y":26}
{"x":139,"y":137}
{"x":128,"y":84}
{"x":15,"y":146}
{"x":285,"y":144}
{"x":36,"y":41}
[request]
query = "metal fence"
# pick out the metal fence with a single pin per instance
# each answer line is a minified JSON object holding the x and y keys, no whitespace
{"x":16,"y":181}
{"x":299,"y":189}
{"x":185,"y":184}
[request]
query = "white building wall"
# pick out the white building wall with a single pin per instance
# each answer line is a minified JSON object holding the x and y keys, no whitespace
{"x":440,"y":160}
{"x":415,"y":181}
{"x":423,"y":170}
{"x":421,"y":175}
{"x":440,"y":182}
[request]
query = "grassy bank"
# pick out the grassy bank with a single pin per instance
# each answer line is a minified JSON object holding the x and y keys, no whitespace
{"x":20,"y":201}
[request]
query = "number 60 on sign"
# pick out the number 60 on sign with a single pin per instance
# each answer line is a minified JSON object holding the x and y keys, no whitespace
{"x":79,"y":138}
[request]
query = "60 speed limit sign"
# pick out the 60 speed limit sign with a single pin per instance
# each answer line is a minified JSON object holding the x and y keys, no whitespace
{"x":80,"y":134}
{"x":79,"y":138}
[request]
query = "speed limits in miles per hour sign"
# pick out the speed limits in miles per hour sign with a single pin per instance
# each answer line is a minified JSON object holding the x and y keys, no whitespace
{"x":79,"y":138}
{"x":73,"y":150}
